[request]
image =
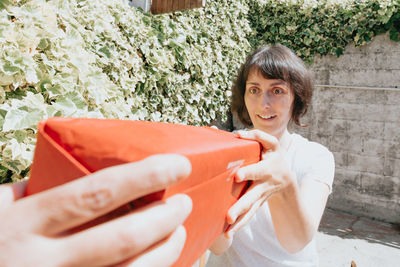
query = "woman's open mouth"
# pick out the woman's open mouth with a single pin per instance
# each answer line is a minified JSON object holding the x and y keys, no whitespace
{"x":266,"y":118}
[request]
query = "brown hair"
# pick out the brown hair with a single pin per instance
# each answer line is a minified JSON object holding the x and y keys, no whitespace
{"x":274,"y":62}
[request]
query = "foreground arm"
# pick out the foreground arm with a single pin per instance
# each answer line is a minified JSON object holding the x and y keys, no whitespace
{"x":36,"y":226}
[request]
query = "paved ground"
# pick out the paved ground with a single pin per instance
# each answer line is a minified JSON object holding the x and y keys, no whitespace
{"x":343,"y":238}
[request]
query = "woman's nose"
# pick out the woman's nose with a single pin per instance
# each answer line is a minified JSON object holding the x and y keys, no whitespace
{"x":266,"y":101}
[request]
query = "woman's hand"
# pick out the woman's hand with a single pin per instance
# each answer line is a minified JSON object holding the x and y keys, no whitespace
{"x":30,"y":227}
{"x":296,"y":210}
{"x":270,"y":176}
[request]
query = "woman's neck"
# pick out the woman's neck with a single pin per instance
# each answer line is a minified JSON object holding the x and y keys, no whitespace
{"x":285,"y":139}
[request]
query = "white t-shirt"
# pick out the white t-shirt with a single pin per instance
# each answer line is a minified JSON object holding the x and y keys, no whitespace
{"x":256,"y":244}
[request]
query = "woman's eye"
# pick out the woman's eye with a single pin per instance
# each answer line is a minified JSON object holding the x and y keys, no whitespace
{"x":278,"y":91}
{"x":253,"y":90}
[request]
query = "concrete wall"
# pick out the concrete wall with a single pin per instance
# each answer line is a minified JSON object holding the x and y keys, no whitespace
{"x":361,"y":126}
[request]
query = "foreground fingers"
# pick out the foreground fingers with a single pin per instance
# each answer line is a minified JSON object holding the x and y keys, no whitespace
{"x":130,"y":235}
{"x":80,"y":201}
{"x":163,"y":254}
{"x":10,"y":193}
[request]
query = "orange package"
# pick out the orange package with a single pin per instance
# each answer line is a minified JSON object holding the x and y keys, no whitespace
{"x":68,"y":149}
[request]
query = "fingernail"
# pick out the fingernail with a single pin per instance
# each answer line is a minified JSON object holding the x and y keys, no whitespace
{"x":231,"y":219}
{"x":239,"y":176}
{"x":182,"y":200}
{"x":185,"y":167}
{"x":181,"y":230}
{"x":226,"y":235}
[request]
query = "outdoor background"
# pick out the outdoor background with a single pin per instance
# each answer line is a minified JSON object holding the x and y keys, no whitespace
{"x":105,"y":59}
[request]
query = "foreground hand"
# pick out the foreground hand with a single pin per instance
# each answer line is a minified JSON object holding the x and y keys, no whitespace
{"x":270,"y":176}
{"x":30,"y":227}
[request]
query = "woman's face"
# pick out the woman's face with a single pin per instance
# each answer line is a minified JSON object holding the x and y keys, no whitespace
{"x":269,"y":103}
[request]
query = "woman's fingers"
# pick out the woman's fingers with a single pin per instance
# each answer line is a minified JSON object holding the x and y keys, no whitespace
{"x":268,"y":141}
{"x":130,"y":235}
{"x":244,"y":204}
{"x":254,"y":172}
{"x":245,"y":218}
{"x":221,"y":244}
{"x":163,"y":254}
{"x":82,"y":200}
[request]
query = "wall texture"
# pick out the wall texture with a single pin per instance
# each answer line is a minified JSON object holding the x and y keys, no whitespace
{"x":361,"y":126}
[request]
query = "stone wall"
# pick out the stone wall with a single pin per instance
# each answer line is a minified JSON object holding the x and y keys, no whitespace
{"x":356,"y":113}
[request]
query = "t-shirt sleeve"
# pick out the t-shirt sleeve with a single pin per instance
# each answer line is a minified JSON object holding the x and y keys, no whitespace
{"x":320,"y":165}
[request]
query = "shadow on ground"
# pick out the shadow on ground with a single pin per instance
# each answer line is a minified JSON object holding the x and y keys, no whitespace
{"x":347,"y":226}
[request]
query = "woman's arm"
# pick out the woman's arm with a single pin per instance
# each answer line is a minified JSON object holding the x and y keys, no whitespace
{"x":296,"y":213}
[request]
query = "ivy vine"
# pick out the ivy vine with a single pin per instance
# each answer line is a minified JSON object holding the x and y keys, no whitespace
{"x":323,"y":28}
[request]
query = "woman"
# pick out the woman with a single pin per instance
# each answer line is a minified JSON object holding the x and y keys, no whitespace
{"x":275,"y":222}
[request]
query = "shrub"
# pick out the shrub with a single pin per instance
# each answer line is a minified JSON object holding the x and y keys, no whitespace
{"x":322,"y":27}
{"x":105,"y":59}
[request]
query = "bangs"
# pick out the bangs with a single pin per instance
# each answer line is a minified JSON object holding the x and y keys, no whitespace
{"x":270,"y":65}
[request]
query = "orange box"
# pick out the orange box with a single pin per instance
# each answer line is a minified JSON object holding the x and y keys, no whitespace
{"x":68,"y":149}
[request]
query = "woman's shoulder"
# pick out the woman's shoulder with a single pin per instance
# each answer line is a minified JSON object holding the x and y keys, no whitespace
{"x":312,"y":160}
{"x":306,"y":152}
{"x":303,"y":144}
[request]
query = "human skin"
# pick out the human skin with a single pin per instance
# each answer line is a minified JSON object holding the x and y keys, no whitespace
{"x":296,"y":209}
{"x":34,"y":229}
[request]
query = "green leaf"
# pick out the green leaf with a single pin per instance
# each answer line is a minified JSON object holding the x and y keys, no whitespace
{"x":4,"y":4}
{"x":104,"y":50}
{"x":44,"y":44}
{"x":70,"y":104}
{"x":13,"y":165}
{"x":394,"y":35}
{"x":339,"y":51}
{"x":4,"y":174}
{"x":17,"y":94}
{"x":20,"y":135}
{"x":10,"y":69}
{"x":3,"y":113}
{"x":18,"y":119}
